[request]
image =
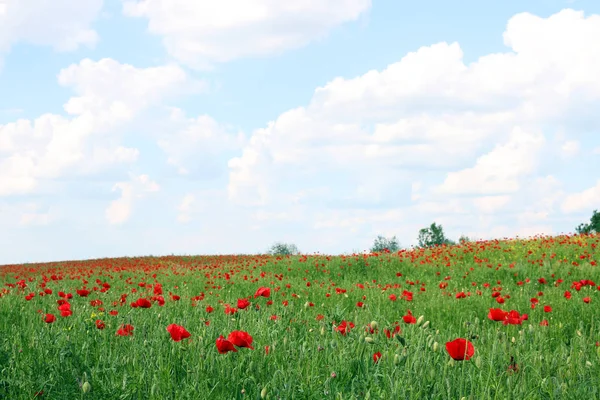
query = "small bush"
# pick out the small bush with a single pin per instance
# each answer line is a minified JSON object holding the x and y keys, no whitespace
{"x":283,"y":249}
{"x":433,"y":236}
{"x":381,"y":244}
{"x":593,"y":226}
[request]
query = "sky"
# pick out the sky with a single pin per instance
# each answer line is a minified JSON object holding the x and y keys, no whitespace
{"x":156,"y":127}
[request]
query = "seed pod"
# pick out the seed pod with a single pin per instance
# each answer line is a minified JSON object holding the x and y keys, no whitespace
{"x":86,"y":387}
{"x":374,"y":324}
{"x":436,"y":346}
{"x":420,"y":320}
{"x":263,"y":393}
{"x":369,"y":340}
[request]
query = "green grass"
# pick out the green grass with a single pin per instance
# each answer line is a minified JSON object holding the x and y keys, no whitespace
{"x":308,"y":358}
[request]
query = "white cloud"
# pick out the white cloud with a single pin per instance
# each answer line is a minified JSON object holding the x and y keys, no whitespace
{"x":499,"y":170}
{"x":185,"y":207}
{"x":63,"y":24}
{"x":581,"y":201}
{"x":136,"y":188}
{"x":202,"y":32}
{"x":431,"y":111}
{"x":199,"y":144}
{"x":570,"y":148}
{"x":34,"y":216}
{"x":109,"y":94}
{"x":490,"y":204}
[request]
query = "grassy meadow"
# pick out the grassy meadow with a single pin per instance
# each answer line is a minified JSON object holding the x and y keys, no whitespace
{"x":378,"y":326}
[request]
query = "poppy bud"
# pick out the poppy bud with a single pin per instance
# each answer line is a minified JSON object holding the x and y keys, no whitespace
{"x":513,"y":339}
{"x":369,"y":340}
{"x":420,"y":320}
{"x":284,"y":340}
{"x":307,"y":304}
{"x":396,"y":359}
{"x":436,"y":346}
{"x":425,"y":325}
{"x":588,"y":364}
{"x":374,"y":324}
{"x":478,"y":361}
{"x":263,"y":393}
{"x":322,"y":330}
{"x":578,"y":332}
{"x":531,"y":329}
{"x":86,"y":387}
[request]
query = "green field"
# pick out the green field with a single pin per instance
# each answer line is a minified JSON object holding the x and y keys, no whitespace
{"x":329,"y":324}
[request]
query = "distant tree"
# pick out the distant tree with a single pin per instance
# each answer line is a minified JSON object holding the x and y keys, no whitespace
{"x":593,"y":226}
{"x":464,"y":239}
{"x":283,"y":249}
{"x":433,"y":236}
{"x":381,"y":243}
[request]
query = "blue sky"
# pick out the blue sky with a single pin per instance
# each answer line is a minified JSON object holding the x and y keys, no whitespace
{"x":175,"y":126}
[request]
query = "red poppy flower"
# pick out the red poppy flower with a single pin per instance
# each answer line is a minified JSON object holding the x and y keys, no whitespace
{"x":178,"y":332}
{"x":547,"y":309}
{"x":393,"y":297}
{"x":544,"y":322}
{"x":83,"y":292}
{"x":125,"y":330}
{"x":230,"y":310}
{"x":209,"y":309}
{"x":586,"y":300}
{"x":344,"y":327}
{"x":224,"y":345}
{"x":497,"y":314}
{"x":408,"y":318}
{"x":241,"y":339}
{"x":263,"y":291}
{"x":143,"y":303}
{"x":99,"y":324}
{"x":460,"y":349}
{"x":242,"y":303}
{"x":514,"y":318}
{"x":567,"y":294}
{"x":360,"y":304}
{"x":392,"y":333}
{"x":376,"y":357}
{"x":49,"y":318}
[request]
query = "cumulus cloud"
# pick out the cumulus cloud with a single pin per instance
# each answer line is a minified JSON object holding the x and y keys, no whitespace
{"x":499,"y":170}
{"x":482,"y":128}
{"x":108,"y":94}
{"x":136,"y":188}
{"x":48,"y":23}
{"x":185,"y":207}
{"x":199,"y":145}
{"x":585,"y":200}
{"x":203,"y":32}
